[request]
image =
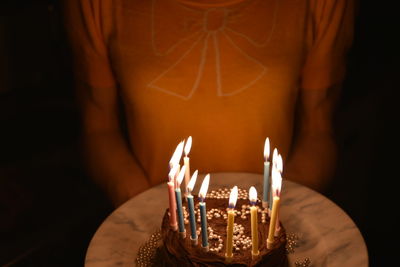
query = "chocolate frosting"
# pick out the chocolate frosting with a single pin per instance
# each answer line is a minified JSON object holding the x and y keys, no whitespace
{"x":177,"y":251}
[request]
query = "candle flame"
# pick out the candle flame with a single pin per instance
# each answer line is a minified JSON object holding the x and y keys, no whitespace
{"x":181,"y":174}
{"x":233,"y":197}
{"x":266,"y":149}
{"x":274,"y":157}
{"x":279,"y":163}
{"x":276,"y":182}
{"x":172,"y":173}
{"x":253,"y":195}
{"x":204,"y":188}
{"x":188,"y":145}
{"x":192,"y":181}
{"x":176,"y":157}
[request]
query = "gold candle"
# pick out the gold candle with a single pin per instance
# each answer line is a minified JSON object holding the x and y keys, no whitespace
{"x":254,"y":222}
{"x":272,"y":224}
{"x":186,"y":163}
{"x":231,"y":219}
{"x":276,"y":185}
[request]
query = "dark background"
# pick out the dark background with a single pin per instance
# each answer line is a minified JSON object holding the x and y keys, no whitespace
{"x":49,"y":209}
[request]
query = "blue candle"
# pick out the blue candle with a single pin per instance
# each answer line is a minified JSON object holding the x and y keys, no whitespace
{"x":178,"y":196}
{"x":266,"y":184}
{"x":203,"y":212}
{"x":204,"y":234}
{"x":192,"y":218}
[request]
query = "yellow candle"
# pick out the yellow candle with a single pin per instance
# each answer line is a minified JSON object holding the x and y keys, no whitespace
{"x":275,"y":157}
{"x":276,"y":185}
{"x":188,"y":145}
{"x":229,"y":237}
{"x":272,"y":224}
{"x":279,"y":167}
{"x":231,"y":220}
{"x":254,"y":221}
{"x":187,"y":174}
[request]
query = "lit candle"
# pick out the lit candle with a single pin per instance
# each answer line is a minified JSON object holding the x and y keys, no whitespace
{"x":172,"y":201}
{"x":274,"y":166}
{"x":231,"y":219}
{"x":203,"y":212}
{"x":276,"y":187}
{"x":192,"y":218}
{"x":254,"y":222}
{"x":266,"y":192}
{"x":279,"y":167}
{"x":178,"y":197}
{"x":188,"y":145}
{"x":176,"y":158}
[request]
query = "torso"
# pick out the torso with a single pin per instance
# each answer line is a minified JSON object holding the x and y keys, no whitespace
{"x":227,"y":75}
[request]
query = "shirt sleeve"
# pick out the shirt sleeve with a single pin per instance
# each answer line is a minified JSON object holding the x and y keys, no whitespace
{"x":329,"y":37}
{"x":84,"y":22}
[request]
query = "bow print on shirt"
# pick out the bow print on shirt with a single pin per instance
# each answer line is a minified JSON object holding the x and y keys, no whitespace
{"x":215,"y":38}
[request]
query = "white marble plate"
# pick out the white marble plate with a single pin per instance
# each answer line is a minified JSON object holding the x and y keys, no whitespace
{"x":327,"y":235}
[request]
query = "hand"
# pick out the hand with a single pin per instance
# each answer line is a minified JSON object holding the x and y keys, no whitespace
{"x":312,"y":161}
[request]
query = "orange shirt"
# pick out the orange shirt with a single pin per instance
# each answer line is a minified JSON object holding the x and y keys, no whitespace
{"x":226,"y":72}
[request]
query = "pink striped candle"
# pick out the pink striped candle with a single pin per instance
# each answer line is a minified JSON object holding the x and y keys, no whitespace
{"x":172,"y":202}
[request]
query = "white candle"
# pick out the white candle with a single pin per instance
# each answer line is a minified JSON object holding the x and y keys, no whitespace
{"x":186,"y":163}
{"x":231,"y":219}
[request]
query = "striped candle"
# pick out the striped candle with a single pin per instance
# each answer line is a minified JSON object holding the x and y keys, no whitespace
{"x":172,"y":199}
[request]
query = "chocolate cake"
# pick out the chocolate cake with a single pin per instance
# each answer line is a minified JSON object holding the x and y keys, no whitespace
{"x":178,"y":251}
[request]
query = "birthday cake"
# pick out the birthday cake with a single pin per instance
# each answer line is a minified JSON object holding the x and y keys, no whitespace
{"x":180,"y":250}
